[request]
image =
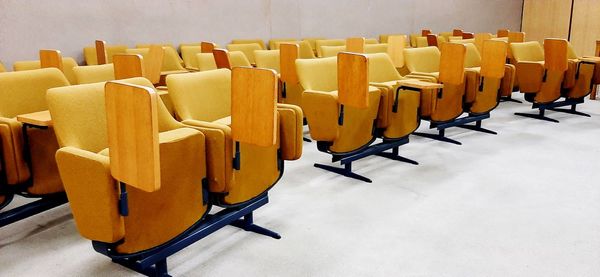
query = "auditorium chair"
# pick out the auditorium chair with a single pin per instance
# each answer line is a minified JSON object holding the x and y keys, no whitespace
{"x":574,"y":59}
{"x":249,"y":41}
{"x":189,"y":54}
{"x":68,"y":64}
{"x":94,"y":73}
{"x":170,"y":61}
{"x":312,"y":41}
{"x":206,"y":101}
{"x":206,"y":61}
{"x":225,"y":59}
{"x":28,"y":143}
{"x":169,"y":50}
{"x":91,"y":57}
{"x":546,"y":74}
{"x":442,"y":107}
{"x":332,"y":51}
{"x":247,"y":49}
{"x":385,"y":38}
{"x":327,"y":42}
{"x":267,"y":59}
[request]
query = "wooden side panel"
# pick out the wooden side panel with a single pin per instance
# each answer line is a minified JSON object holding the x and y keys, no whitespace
{"x":355,"y":45}
{"x":132,"y":120}
{"x":452,"y":63}
{"x":546,"y":19}
{"x":288,"y":55}
{"x":555,"y":54}
{"x":101,"y":51}
{"x":493,"y":58}
{"x":468,"y":35}
{"x":502,"y":33}
{"x":207,"y":47}
{"x":585,"y":27}
{"x":425,"y":32}
{"x":432,"y":40}
{"x":128,"y":66}
{"x":153,"y":63}
{"x":254,"y":106}
{"x":396,"y":46}
{"x":516,"y":37}
{"x":221,"y":58}
{"x":51,"y":58}
{"x":353,"y":80}
{"x":457,"y":33}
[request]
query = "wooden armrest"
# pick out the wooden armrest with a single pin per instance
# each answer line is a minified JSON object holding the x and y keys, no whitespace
{"x":418,"y":84}
{"x":41,"y":119}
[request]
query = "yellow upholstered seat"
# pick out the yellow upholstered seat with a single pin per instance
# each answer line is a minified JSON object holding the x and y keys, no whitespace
{"x":376,"y":48}
{"x":267,"y":59}
{"x":327,"y":42}
{"x":203,"y":101}
{"x":21,"y":93}
{"x":248,"y":50}
{"x":68,"y":65}
{"x":206,"y":61}
{"x":94,"y":73}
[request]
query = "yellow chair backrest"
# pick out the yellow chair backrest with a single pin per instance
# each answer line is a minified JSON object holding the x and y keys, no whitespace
{"x":68,"y":65}
{"x":2,"y":68}
{"x":355,"y":45}
{"x":472,"y":57}
{"x":274,"y":43}
{"x":318,"y":74}
{"x":247,"y":49}
{"x":421,"y":42}
{"x":530,"y":51}
{"x":306,"y":51}
{"x":376,"y":48}
{"x":480,"y":38}
{"x":452,"y":63}
{"x":313,"y":42}
{"x":424,"y":59}
{"x":94,"y":73}
{"x":202,"y":93}
{"x":171,"y":60}
{"x":371,"y":41}
{"x":446,"y":35}
{"x":328,"y":42}
{"x":206,"y":61}
{"x":331,"y":51}
{"x":188,"y":53}
{"x":25,"y":91}
{"x":383,"y":38}
{"x":382,"y":69}
{"x":267,"y":59}
{"x":248,"y":41}
{"x":571,"y":52}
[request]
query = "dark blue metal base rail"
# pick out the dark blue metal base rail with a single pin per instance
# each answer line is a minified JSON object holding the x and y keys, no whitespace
{"x":154,"y":261}
{"x":555,"y":107}
{"x":459,"y":122}
{"x":43,"y":204}
{"x":376,"y":149}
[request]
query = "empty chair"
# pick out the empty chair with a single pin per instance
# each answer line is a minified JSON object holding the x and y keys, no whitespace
{"x":189,"y":53}
{"x":28,"y":143}
{"x":340,"y":109}
{"x":249,"y":41}
{"x":206,"y":61}
{"x":94,"y":73}
{"x":67,"y":67}
{"x":442,"y":108}
{"x":543,"y":76}
{"x":327,"y":42}
{"x":385,"y":38}
{"x":169,"y":47}
{"x":274,"y":43}
{"x":205,"y":101}
{"x":247,"y":49}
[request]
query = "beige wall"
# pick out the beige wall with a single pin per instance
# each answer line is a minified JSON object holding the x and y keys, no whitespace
{"x":27,"y":25}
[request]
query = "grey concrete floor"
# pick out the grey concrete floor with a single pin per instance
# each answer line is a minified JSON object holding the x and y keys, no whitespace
{"x":523,"y":203}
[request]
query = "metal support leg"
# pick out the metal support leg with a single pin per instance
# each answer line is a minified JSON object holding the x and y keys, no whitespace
{"x":161,"y":269}
{"x":30,"y":209}
{"x":540,"y":116}
{"x":572,"y":110}
{"x":247,"y":224}
{"x":477,"y":128}
{"x":441,"y":136}
{"x":346,"y":171}
{"x":394,"y":156}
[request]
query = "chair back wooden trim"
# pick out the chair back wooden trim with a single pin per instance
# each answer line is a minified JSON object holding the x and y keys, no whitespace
{"x":254,"y":106}
{"x":457,"y":32}
{"x":452,"y":63}
{"x":51,"y":58}
{"x":493,"y":58}
{"x":101,"y":51}
{"x":425,"y":32}
{"x":132,"y":120}
{"x":555,"y":54}
{"x":221,"y":58}
{"x":432,"y":40}
{"x":128,"y":66}
{"x":289,"y":53}
{"x":502,"y":33}
{"x":207,"y":47}
{"x":396,"y":45}
{"x":153,"y":63}
{"x":355,"y":45}
{"x":468,"y":35}
{"x":516,"y":37}
{"x":353,"y":80}
{"x":480,"y":38}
